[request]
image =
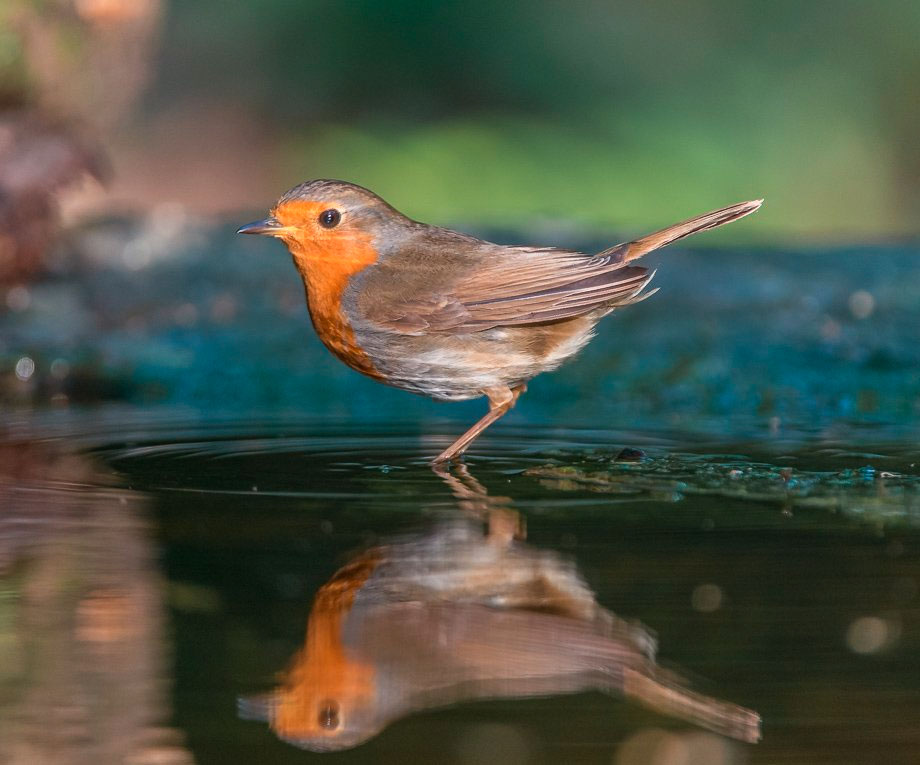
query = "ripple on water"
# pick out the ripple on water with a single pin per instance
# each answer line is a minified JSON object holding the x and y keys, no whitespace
{"x":247,"y":519}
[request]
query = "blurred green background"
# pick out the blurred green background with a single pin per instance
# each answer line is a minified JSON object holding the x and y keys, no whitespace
{"x":603,"y":114}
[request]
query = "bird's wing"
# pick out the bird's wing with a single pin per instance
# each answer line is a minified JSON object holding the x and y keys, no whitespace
{"x":486,"y":285}
{"x":515,"y":286}
{"x":492,"y":286}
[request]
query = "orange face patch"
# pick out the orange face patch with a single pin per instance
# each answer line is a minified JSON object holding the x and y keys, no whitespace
{"x":323,"y":673}
{"x":327,"y":259}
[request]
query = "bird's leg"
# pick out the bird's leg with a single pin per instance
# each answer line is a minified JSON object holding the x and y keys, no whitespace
{"x":500,"y":402}
{"x":505,"y":523}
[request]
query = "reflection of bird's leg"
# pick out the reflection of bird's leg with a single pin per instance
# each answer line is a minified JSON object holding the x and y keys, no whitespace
{"x":462,"y":483}
{"x":505,"y":523}
{"x":501,"y":400}
{"x":472,"y":497}
{"x":653,"y":688}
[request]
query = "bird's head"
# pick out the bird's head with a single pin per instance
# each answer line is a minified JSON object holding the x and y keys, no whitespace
{"x":327,"y":220}
{"x":311,"y":719}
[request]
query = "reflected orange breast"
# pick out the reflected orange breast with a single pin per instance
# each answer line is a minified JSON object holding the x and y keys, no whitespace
{"x":324,"y":670}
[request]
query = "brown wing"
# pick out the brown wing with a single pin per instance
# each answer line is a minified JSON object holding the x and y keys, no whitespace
{"x":521,"y":286}
{"x":493,"y":286}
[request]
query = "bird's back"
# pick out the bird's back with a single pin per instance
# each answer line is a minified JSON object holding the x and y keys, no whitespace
{"x":448,"y":315}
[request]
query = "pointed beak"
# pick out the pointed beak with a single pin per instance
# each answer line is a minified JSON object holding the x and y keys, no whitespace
{"x":267,"y":227}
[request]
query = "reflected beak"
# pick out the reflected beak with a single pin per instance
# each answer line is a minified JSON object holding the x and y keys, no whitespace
{"x":267,"y":227}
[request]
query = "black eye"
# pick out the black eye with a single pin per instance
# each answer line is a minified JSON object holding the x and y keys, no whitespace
{"x":329,"y":218}
{"x":329,"y":711}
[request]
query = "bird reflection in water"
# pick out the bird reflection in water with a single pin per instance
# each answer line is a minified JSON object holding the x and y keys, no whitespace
{"x":466,"y":611}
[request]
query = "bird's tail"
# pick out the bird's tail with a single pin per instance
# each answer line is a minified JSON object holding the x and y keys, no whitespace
{"x":656,"y":691}
{"x":714,"y":219}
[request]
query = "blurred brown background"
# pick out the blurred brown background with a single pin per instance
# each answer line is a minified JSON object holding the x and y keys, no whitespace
{"x":605,"y":114}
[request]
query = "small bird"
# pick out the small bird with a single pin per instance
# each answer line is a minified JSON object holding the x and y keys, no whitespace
{"x":436,"y":619}
{"x":444,"y":314}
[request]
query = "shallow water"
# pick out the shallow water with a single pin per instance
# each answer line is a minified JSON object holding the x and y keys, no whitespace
{"x":183,"y":469}
{"x":780,"y":576}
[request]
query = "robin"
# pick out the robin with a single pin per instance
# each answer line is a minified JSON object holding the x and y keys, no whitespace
{"x":444,"y":314}
{"x":451,"y":616}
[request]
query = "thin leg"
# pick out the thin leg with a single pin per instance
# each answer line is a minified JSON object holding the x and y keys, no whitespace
{"x":500,"y":402}
{"x":505,"y":523}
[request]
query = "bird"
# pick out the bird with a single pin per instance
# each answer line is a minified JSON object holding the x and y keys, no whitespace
{"x":447,"y":315}
{"x":437,"y":618}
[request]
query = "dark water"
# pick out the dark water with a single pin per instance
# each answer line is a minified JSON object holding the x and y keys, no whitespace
{"x":168,"y":571}
{"x":183,"y":470}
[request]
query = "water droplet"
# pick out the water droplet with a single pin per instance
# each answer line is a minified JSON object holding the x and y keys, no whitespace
{"x":706,"y":598}
{"x":25,"y":368}
{"x":870,"y":634}
{"x":861,"y":304}
{"x":18,"y":299}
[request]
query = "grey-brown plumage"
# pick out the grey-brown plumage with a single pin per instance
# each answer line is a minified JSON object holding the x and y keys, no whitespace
{"x":447,"y":315}
{"x":455,"y":616}
{"x":483,"y":317}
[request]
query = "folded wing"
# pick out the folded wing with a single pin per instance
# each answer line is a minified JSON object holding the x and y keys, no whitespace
{"x":512,"y":286}
{"x":524,"y":286}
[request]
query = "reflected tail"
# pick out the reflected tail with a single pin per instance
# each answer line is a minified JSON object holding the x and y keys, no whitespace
{"x":676,"y":701}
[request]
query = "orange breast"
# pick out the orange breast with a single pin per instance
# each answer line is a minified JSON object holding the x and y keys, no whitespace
{"x":327,"y":263}
{"x":324,"y":670}
{"x":324,"y":300}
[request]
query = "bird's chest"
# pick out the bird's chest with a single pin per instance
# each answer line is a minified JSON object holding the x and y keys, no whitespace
{"x":325,"y":282}
{"x":324,"y":302}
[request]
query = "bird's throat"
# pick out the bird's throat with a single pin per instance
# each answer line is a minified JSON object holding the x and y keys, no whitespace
{"x":326,"y":272}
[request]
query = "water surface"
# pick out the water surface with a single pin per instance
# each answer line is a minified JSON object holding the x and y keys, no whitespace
{"x":779,"y":576}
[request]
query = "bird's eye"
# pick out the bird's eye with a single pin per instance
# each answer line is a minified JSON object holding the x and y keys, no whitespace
{"x":329,"y":218}
{"x":329,"y":711}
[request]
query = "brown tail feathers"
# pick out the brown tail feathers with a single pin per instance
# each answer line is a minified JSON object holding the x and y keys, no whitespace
{"x":714,"y":219}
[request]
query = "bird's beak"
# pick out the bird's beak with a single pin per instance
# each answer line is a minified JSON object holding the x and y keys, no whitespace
{"x":267,"y":227}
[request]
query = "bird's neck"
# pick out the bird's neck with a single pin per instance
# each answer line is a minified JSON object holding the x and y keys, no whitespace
{"x":326,"y":272}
